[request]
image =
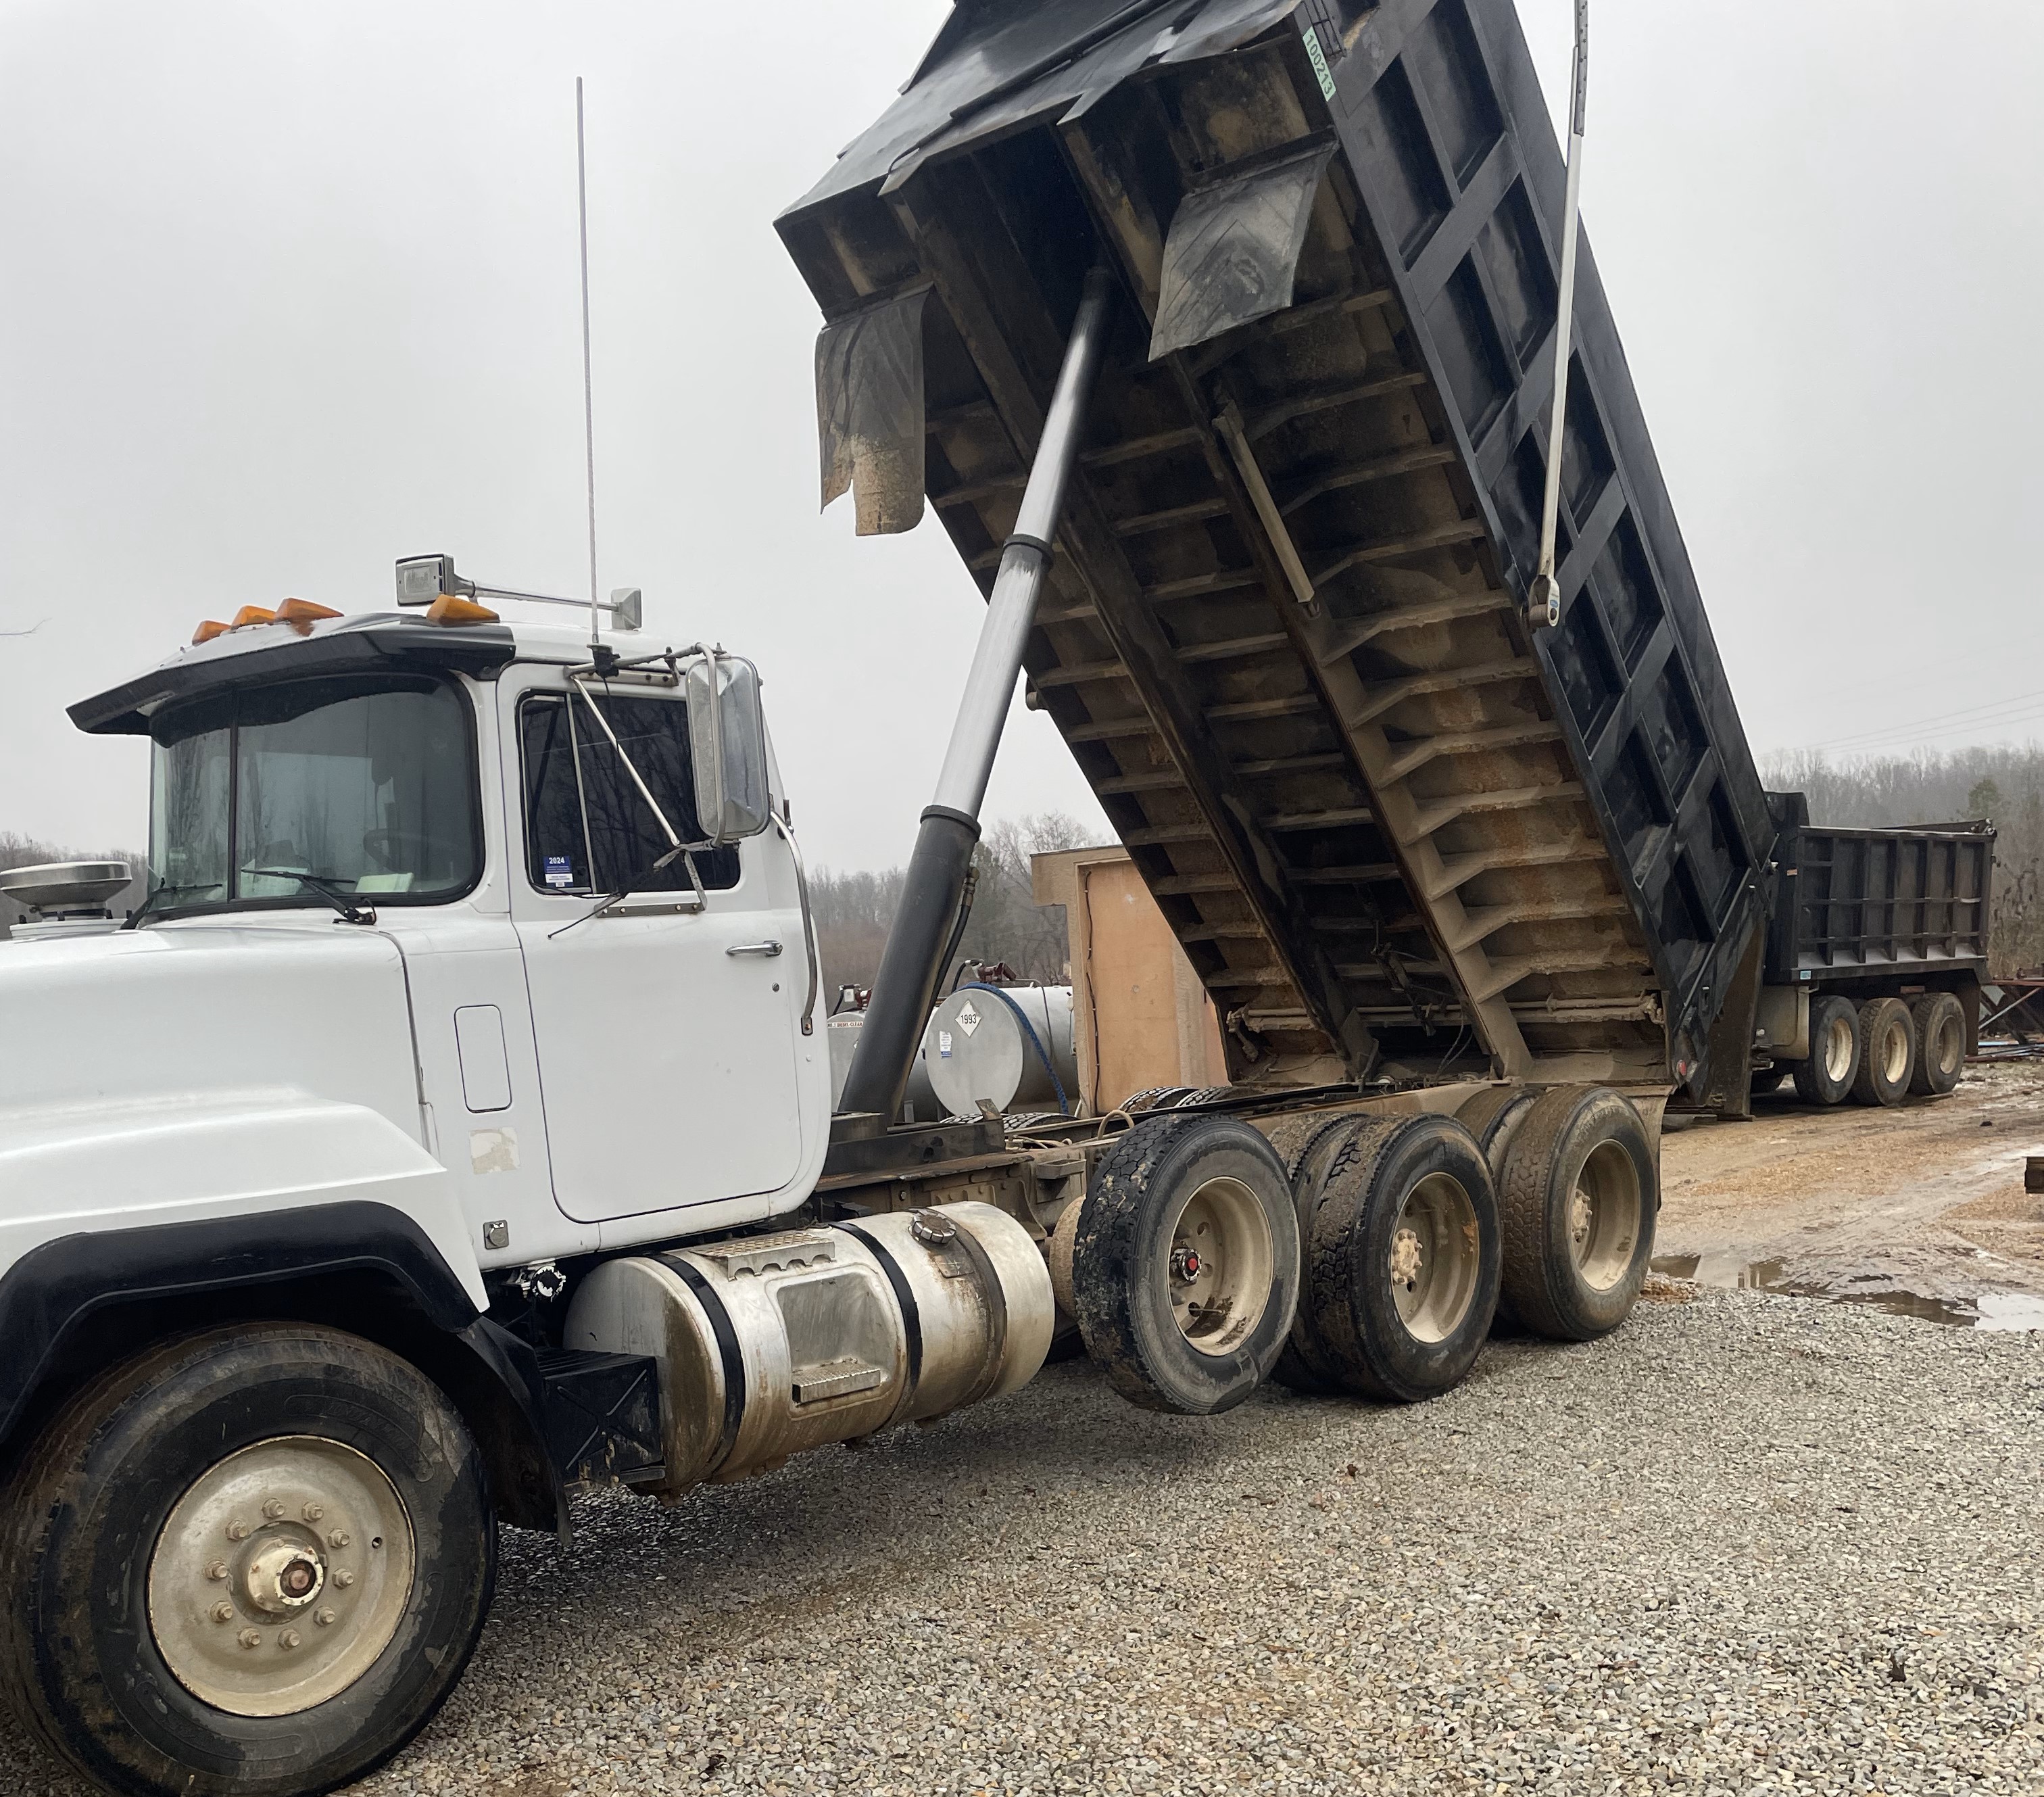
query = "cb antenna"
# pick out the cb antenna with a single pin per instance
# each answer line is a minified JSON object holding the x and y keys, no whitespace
{"x":588,"y":383}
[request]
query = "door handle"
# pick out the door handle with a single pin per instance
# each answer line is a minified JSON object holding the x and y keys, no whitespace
{"x":766,"y":950}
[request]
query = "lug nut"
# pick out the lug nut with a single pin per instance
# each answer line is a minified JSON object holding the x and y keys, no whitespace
{"x":237,"y":1530}
{"x":217,"y":1570}
{"x":274,"y":1509}
{"x":313,"y":1513}
{"x":223,"y":1613}
{"x":339,"y":1539}
{"x":326,"y":1619}
{"x":251,"y":1637}
{"x":344,"y":1578}
{"x":288,"y":1640}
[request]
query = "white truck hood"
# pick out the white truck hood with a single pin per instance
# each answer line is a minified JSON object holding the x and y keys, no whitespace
{"x":195,"y":1010}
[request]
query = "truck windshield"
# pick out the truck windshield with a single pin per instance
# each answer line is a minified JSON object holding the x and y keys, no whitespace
{"x":366,"y":784}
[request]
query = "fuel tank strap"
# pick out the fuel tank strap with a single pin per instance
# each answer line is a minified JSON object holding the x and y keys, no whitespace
{"x":727,"y":1348}
{"x":912,"y":1317}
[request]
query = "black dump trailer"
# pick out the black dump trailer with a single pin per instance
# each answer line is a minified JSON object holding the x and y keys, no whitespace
{"x":1402,"y":828}
{"x":1870,"y":924}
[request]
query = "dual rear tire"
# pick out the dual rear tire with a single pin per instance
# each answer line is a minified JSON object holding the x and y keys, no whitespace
{"x":1358,"y":1254}
{"x":1879,"y":1052}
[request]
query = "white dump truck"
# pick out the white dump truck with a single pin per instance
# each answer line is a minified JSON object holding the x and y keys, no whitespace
{"x":452,"y":1126}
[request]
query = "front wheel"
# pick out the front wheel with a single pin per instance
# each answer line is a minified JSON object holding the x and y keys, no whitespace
{"x":253,"y":1561}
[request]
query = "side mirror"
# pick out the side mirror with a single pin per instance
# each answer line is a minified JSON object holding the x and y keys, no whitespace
{"x":727,"y":745}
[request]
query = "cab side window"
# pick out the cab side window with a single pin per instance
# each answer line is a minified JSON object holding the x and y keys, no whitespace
{"x":588,"y":828}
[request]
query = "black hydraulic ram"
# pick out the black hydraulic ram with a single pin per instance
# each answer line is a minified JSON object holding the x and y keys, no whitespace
{"x":911,"y":963}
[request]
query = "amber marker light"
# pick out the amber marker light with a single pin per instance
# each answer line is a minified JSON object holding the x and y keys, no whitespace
{"x":252,"y":614}
{"x":448,"y":608}
{"x":207,"y":631}
{"x":302,"y":614}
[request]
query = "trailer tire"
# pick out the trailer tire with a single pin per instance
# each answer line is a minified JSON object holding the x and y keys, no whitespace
{"x":111,"y":1638}
{"x":1402,"y":1271}
{"x":1184,"y":1264}
{"x":1826,"y":1075}
{"x":1940,"y":1024}
{"x":1577,"y":1204}
{"x":1886,"y":1052}
{"x":1315,"y":1150}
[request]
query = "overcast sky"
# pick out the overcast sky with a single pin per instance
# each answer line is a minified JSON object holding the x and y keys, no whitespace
{"x":289,"y":291}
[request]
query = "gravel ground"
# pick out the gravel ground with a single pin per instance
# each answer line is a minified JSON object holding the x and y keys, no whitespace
{"x":1750,"y":1542}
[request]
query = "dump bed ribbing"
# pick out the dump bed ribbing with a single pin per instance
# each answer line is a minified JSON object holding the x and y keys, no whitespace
{"x":1394,"y":827}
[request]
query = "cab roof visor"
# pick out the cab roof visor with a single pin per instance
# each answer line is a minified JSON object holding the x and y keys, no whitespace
{"x":372,"y":642}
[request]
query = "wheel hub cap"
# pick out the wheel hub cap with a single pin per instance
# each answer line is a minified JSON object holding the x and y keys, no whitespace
{"x":1435,"y":1254}
{"x":1221,"y":1266}
{"x":280,"y":1576}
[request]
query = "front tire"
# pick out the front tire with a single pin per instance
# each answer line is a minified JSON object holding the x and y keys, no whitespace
{"x":248,"y":1563}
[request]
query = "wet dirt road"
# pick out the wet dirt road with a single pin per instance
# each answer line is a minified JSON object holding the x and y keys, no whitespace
{"x":1921,"y":1209}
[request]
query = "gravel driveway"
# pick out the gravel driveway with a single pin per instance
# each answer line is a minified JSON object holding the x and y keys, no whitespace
{"x":1748,"y":1542}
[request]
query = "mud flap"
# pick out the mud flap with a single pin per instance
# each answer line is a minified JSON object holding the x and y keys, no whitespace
{"x":1233,"y":249}
{"x":869,"y":412}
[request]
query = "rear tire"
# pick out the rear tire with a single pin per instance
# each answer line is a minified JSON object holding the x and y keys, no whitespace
{"x":1886,"y":1052}
{"x":1402,"y":1271}
{"x":1939,"y":1021}
{"x":1315,"y":1150}
{"x":339,"y":1642}
{"x":1184,"y":1264}
{"x":1827,"y":1076}
{"x":1577,"y":1207}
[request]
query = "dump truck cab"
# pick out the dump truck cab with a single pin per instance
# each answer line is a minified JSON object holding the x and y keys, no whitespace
{"x":404,"y":873}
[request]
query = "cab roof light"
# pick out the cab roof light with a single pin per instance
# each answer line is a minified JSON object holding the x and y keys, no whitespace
{"x":302,"y":615}
{"x":451,"y":609}
{"x":252,"y":614}
{"x":207,"y":631}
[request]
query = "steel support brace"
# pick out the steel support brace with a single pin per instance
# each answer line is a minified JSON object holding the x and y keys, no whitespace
{"x":911,"y":963}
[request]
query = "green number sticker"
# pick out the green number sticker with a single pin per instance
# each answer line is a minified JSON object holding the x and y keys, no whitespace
{"x":1318,"y":58}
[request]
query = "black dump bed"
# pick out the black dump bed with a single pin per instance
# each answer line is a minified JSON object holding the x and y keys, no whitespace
{"x":1394,"y":827}
{"x":1878,"y":905}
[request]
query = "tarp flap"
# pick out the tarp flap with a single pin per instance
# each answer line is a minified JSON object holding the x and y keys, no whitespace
{"x":1233,"y":249}
{"x":870,"y":427}
{"x":995,"y":66}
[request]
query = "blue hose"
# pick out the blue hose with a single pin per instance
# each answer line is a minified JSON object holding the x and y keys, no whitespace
{"x":1036,"y":1041}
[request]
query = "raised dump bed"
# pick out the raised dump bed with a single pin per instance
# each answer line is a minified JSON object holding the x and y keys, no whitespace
{"x":1397,"y":828}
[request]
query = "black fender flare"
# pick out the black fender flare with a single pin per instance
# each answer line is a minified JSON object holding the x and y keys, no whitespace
{"x":73,"y":1287}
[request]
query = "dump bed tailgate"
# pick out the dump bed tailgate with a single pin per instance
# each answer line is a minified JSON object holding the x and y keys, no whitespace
{"x":1394,"y":827}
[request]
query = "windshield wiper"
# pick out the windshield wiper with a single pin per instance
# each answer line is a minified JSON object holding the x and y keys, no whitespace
{"x":156,"y":892}
{"x":324,"y":885}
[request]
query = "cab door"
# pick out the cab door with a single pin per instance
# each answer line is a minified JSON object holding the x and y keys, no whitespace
{"x":667,"y":1022}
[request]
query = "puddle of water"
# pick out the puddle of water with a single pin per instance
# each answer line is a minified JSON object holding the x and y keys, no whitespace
{"x":1986,"y":1310}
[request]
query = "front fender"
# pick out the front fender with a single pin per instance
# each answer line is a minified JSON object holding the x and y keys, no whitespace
{"x":85,"y":1169}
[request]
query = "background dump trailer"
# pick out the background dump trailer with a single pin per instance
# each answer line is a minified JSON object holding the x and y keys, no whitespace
{"x":1870,"y":923}
{"x":1396,"y":830}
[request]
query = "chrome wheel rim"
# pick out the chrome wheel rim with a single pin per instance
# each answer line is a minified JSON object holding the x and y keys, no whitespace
{"x":280,"y":1576}
{"x":1604,"y":1210}
{"x":1435,"y":1254}
{"x":1221,"y":1266}
{"x":1838,"y":1049}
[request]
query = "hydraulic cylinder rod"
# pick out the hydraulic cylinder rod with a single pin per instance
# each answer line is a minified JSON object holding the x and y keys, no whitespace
{"x":912,"y":962}
{"x":1544,"y":598}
